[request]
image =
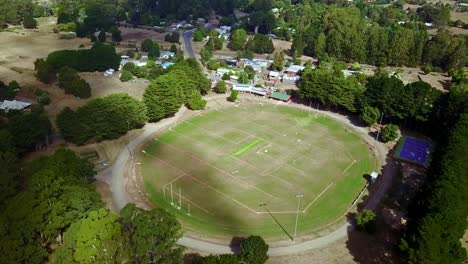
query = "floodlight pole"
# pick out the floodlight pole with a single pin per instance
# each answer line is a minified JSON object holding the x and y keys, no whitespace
{"x":129,"y":139}
{"x":298,"y":196}
{"x":180,"y":198}
{"x":380,"y":125}
{"x":172,"y":196}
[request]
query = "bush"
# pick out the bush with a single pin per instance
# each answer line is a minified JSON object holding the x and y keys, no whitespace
{"x":370,"y":115}
{"x":262,"y":44}
{"x":130,"y":66}
{"x":233,"y":96}
{"x":220,"y":87}
{"x":44,"y":99}
{"x":29,"y":22}
{"x":146,"y":45}
{"x":226,"y":77}
{"x":212,"y":65}
{"x":366,"y":221}
{"x":69,"y":27}
{"x":126,"y":76}
{"x":254,"y":250}
{"x":389,"y":133}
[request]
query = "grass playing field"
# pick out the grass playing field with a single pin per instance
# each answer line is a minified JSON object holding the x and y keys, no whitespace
{"x":237,"y":171}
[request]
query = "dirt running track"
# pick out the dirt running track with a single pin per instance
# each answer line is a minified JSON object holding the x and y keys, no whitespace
{"x":119,"y":177}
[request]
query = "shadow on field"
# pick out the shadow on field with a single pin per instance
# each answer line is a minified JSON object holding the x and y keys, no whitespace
{"x":276,"y":221}
{"x":379,"y":244}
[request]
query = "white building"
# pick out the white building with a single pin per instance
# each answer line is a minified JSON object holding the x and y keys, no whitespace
{"x":14,"y":105}
{"x":166,"y":55}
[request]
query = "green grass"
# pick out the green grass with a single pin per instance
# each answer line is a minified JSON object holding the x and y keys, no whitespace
{"x":248,"y":147}
{"x":227,"y":163}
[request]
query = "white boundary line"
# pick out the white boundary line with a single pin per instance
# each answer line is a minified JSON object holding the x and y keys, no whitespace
{"x":350,"y":165}
{"x":190,"y":201}
{"x":318,"y":196}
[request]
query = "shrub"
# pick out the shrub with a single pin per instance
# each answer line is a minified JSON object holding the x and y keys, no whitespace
{"x":233,"y":96}
{"x":70,"y":81}
{"x":226,"y":77}
{"x":69,"y":27}
{"x":44,"y":99}
{"x":389,"y":133}
{"x":146,"y":45}
{"x":220,"y":87}
{"x":126,"y":76}
{"x":172,"y":37}
{"x":130,"y":66}
{"x":212,"y":65}
{"x":29,"y":22}
{"x":366,"y":221}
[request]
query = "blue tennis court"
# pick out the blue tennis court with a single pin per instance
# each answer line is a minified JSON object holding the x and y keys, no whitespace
{"x":414,"y":150}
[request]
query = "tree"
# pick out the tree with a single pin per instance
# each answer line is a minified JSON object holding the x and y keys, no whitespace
{"x":205,"y":55}
{"x":161,"y":98}
{"x":366,"y":221}
{"x":172,"y":37}
{"x":28,"y":129}
{"x":198,"y":36}
{"x":147,"y":45}
{"x":220,"y":87}
{"x":278,"y":62}
{"x":102,"y":36}
{"x":254,"y":250}
{"x":390,"y":133}
{"x":195,"y":101}
{"x":174,"y":49}
{"x":262,"y":44}
{"x":155,"y":51}
{"x":70,"y":81}
{"x":233,"y":96}
{"x":29,"y":22}
{"x":116,"y":34}
{"x":152,"y":234}
{"x":126,"y":76}
{"x":44,"y":72}
{"x":238,"y":39}
{"x":369,"y":115}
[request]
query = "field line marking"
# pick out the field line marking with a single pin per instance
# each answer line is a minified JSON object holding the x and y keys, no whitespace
{"x":318,"y":196}
{"x":246,"y":138}
{"x":346,"y":150}
{"x":190,"y":201}
{"x":178,"y":177}
{"x":281,"y":212}
{"x":214,"y":167}
{"x":350,"y":165}
{"x":207,"y":185}
{"x":228,"y":196}
{"x":211,"y":132}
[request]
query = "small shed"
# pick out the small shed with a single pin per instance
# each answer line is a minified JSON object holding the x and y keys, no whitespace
{"x":14,"y":105}
{"x":281,"y":97}
{"x":373,"y":176}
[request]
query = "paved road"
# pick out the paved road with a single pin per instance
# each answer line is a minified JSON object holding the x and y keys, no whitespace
{"x":121,"y":197}
{"x":187,"y":36}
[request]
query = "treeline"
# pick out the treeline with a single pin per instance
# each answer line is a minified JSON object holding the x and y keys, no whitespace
{"x":102,"y":118}
{"x":99,"y":58}
{"x":438,"y":214}
{"x":112,"y":116}
{"x":345,"y":34}
{"x":379,"y":94}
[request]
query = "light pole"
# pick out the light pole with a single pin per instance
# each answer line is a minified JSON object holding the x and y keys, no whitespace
{"x":129,"y":139}
{"x":380,"y":127}
{"x":298,"y":196}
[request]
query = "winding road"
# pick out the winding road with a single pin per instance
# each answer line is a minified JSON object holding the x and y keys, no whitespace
{"x":118,"y":180}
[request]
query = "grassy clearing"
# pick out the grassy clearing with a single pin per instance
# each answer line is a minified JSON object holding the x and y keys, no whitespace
{"x":225,"y":172}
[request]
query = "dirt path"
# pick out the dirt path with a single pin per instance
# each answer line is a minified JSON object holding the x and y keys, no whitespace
{"x":119,"y":180}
